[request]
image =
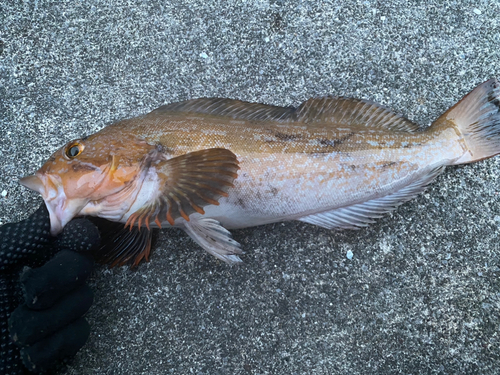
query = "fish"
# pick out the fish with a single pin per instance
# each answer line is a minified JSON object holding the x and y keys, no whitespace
{"x":210,"y":165}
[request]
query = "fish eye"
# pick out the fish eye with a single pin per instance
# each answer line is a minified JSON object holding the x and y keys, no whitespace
{"x":74,"y":149}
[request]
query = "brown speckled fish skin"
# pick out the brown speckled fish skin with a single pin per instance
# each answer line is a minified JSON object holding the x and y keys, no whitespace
{"x":334,"y":162}
{"x":289,"y":170}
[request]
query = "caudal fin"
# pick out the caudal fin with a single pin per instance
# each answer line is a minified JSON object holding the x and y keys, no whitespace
{"x":477,"y":118}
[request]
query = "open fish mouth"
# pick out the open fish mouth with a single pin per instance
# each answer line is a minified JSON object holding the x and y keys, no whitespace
{"x":61,"y":209}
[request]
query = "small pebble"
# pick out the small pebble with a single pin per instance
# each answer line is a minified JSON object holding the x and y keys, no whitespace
{"x":203,"y":55}
{"x":477,"y":11}
{"x":4,"y":193}
{"x":349,"y":255}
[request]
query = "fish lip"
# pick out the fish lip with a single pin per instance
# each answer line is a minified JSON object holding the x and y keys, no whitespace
{"x":61,"y":209}
{"x":56,"y":223}
{"x":33,"y":183}
{"x":47,"y":185}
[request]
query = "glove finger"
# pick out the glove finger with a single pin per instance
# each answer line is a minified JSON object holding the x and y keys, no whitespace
{"x":27,"y":326}
{"x":43,"y":286}
{"x":10,"y":362}
{"x":63,"y":343}
{"x":27,"y":242}
{"x":79,"y":235}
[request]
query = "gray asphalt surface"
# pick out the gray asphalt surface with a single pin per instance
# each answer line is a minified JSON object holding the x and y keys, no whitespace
{"x":421,"y":294}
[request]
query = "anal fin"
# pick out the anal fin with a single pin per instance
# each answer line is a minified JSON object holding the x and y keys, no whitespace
{"x":362,"y":214}
{"x":214,"y":238}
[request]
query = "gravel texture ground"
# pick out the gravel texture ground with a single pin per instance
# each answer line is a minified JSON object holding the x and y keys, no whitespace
{"x":421,"y":293}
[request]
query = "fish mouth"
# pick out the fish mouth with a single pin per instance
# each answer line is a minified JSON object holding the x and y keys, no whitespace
{"x":33,"y":183}
{"x":61,"y":209}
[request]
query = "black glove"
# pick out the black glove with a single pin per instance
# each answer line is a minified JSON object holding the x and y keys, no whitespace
{"x":48,"y":325}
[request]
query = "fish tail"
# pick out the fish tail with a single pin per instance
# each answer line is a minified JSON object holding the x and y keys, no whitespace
{"x":476,"y":118}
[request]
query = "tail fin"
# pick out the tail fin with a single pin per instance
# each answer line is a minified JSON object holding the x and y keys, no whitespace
{"x":477,"y":118}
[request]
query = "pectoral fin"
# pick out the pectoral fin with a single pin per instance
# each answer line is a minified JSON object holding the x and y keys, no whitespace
{"x":191,"y":182}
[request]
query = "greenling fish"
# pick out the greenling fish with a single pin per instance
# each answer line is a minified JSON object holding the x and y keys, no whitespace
{"x":209,"y":165}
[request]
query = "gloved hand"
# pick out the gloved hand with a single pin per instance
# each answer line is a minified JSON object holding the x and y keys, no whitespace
{"x":48,"y":325}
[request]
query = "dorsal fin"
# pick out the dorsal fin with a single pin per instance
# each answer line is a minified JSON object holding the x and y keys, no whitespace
{"x":352,"y":113}
{"x":235,"y":109}
{"x":338,"y":111}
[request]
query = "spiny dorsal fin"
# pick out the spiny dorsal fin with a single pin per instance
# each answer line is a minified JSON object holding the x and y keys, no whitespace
{"x":352,"y":113}
{"x":338,"y":111}
{"x":191,"y":181}
{"x":236,"y":109}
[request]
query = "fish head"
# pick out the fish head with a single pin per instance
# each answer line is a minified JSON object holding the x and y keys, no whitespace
{"x":82,"y":172}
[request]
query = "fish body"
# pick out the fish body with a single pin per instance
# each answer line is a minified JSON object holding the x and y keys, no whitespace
{"x":291,"y":170}
{"x":208,"y":165}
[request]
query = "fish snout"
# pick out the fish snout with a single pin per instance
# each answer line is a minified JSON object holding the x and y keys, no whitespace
{"x":61,"y":209}
{"x":33,"y":183}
